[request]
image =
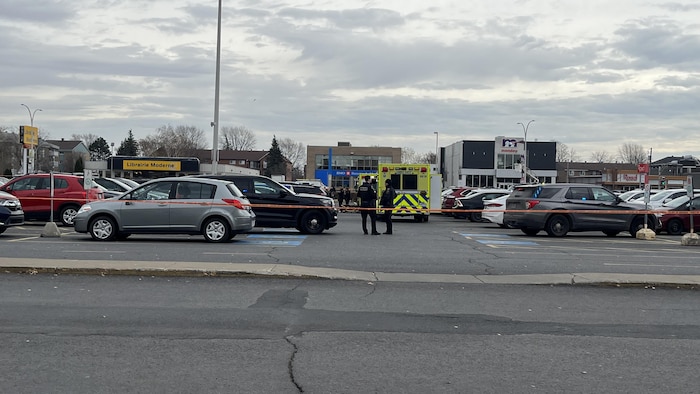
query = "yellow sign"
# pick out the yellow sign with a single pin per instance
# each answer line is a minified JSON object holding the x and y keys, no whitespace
{"x":29,"y":136}
{"x":151,"y":165}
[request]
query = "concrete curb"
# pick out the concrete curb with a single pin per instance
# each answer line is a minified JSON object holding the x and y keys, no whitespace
{"x":194,"y":269}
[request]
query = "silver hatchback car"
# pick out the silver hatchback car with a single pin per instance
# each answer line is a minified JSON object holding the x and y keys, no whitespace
{"x":214,"y":208}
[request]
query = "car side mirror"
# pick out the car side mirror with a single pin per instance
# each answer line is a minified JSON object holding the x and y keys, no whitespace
{"x":284,"y":193}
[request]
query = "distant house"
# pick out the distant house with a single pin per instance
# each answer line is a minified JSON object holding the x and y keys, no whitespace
{"x":69,"y":152}
{"x":254,"y":159}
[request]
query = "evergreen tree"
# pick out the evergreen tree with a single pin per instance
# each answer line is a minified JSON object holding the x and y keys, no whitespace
{"x":79,"y":166}
{"x":276,"y":164}
{"x":99,"y":150}
{"x":129,"y":146}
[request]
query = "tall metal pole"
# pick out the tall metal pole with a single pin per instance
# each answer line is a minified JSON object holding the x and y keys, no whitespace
{"x":437,"y":162}
{"x":25,"y":152}
{"x":215,"y":123}
{"x":525,"y":127}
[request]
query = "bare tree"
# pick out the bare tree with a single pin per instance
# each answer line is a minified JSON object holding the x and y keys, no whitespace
{"x":87,"y":138}
{"x":295,"y":152}
{"x":602,"y":156}
{"x":565,"y":153}
{"x":169,"y":141}
{"x":10,"y":151}
{"x":632,"y":153}
{"x":236,"y":138}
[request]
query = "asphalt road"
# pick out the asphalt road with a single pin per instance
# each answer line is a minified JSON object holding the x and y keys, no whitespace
{"x":106,"y":334}
{"x":441,"y":246}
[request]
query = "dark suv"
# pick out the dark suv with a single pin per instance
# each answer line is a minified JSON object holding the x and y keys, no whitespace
{"x":276,"y":206}
{"x":561,"y":208}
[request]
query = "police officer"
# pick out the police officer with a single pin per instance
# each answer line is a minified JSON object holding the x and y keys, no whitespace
{"x":387,"y":202}
{"x":368,"y":204}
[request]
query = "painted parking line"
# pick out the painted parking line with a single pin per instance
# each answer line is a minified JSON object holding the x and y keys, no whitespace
{"x":272,"y":240}
{"x":505,"y":242}
{"x":496,"y":239}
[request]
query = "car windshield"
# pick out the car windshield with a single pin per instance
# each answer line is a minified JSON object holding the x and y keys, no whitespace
{"x":660,"y":196}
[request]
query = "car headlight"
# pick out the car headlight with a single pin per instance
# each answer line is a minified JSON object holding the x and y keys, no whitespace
{"x":10,"y":203}
{"x":329,"y":202}
{"x":84,"y":208}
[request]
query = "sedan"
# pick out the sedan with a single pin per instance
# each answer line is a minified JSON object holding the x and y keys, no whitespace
{"x":676,"y":220}
{"x":213,"y":208}
{"x":493,"y":210}
{"x":474,"y":202}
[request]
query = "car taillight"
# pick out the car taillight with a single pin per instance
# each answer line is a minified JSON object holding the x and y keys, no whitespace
{"x":531,"y":203}
{"x":234,"y":202}
{"x":494,"y":205}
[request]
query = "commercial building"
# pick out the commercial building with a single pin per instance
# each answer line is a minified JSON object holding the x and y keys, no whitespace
{"x":498,"y":163}
{"x":339,"y":166}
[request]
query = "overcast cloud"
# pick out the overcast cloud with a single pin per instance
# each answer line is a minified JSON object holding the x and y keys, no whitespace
{"x":593,"y":74}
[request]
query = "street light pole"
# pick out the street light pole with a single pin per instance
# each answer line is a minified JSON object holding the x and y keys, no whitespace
{"x":525,"y":127}
{"x":31,"y":114}
{"x":215,"y":123}
{"x":25,"y":152}
{"x":437,"y":162}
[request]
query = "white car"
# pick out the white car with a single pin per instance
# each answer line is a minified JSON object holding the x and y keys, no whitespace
{"x":493,"y":210}
{"x":664,"y":196}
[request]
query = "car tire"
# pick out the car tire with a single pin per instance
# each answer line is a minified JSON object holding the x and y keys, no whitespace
{"x":67,"y":213}
{"x":103,"y":228}
{"x":475,"y":217}
{"x":674,"y":227}
{"x":216,"y":230}
{"x":638,"y":224}
{"x":529,"y":231}
{"x":557,"y":226}
{"x":312,"y":222}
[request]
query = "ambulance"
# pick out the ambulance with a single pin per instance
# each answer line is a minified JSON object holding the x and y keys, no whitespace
{"x":412,"y":185}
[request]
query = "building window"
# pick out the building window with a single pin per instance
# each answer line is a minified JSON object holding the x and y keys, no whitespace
{"x":507,"y":161}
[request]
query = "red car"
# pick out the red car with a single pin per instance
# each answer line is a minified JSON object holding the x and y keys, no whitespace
{"x":679,"y":223}
{"x":34,"y":192}
{"x":448,"y":201}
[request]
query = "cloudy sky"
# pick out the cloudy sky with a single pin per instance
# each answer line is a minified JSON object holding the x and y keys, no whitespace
{"x":593,"y":74}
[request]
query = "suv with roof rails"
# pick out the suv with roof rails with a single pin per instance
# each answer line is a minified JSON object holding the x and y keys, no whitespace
{"x":560,"y":208}
{"x":277,"y":206}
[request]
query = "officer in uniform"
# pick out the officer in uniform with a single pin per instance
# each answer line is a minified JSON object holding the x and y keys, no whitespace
{"x":387,"y":202}
{"x":368,"y":204}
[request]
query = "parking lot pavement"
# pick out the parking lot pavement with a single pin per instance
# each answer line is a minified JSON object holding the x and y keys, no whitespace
{"x":287,"y":253}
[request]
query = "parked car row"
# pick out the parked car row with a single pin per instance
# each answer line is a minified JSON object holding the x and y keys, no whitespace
{"x":216,"y":206}
{"x":561,"y":208}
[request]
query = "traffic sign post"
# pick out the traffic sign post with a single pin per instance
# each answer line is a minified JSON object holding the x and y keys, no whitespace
{"x":691,"y":194}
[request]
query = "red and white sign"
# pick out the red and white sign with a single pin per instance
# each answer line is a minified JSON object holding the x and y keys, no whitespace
{"x":643,"y":168}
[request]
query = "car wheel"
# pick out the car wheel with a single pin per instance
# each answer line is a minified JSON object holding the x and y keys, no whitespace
{"x":638,"y":224}
{"x":475,"y":216}
{"x":529,"y":231}
{"x":216,"y":230}
{"x":103,"y":228}
{"x":312,"y":222}
{"x":675,"y":227}
{"x":67,"y":214}
{"x":611,"y":233}
{"x":557,"y":226}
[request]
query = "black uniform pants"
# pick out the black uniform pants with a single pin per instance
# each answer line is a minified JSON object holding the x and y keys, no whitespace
{"x":364,"y":212}
{"x":387,"y":220}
